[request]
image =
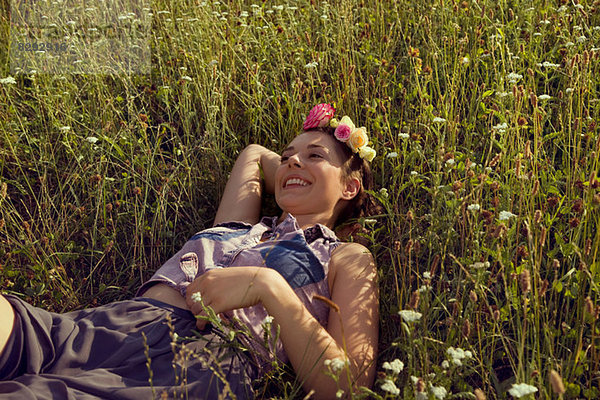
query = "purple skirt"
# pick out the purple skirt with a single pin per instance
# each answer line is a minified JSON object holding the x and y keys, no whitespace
{"x":122,"y":350}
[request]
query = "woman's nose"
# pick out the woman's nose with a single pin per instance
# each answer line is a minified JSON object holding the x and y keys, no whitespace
{"x":295,"y":161}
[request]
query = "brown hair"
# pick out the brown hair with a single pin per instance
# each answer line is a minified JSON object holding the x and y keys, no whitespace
{"x":363,"y":204}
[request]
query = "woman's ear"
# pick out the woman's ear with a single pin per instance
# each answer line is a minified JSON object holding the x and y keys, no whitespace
{"x":351,"y":189}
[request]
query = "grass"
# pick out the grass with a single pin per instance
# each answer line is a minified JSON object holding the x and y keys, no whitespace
{"x":103,"y":177}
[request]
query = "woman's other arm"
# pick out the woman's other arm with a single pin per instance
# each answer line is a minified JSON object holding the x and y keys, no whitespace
{"x":242,"y":196}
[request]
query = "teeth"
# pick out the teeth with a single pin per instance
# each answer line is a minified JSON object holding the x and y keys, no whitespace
{"x":296,"y":181}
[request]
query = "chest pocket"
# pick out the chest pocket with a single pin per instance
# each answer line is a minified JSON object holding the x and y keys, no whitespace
{"x":294,"y":260}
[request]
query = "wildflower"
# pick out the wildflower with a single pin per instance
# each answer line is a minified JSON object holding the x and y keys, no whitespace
{"x":92,"y":139}
{"x":427,"y":275}
{"x":502,"y":94}
{"x":445,"y":364}
{"x":473,"y":207}
{"x":389,"y":386}
{"x":267,"y":321}
{"x":311,"y":65}
{"x":521,"y":389}
{"x":450,"y":162}
{"x":439,"y":392}
{"x":9,"y":80}
{"x":410,"y":315}
{"x":395,"y":366}
{"x":548,"y":64}
{"x":581,"y":39}
{"x":438,"y":119}
{"x":393,"y":154}
{"x":424,"y":288}
{"x":500,"y":128}
{"x":196,"y":297}
{"x":404,"y":135}
{"x":544,"y":97}
{"x":336,"y":364}
{"x":458,"y":355}
{"x":65,"y":128}
{"x":369,"y":221}
{"x":383,"y":192}
{"x":465,"y":60}
{"x":506,"y":215}
{"x":514,"y":77}
{"x":413,"y":173}
{"x":186,"y":78}
{"x":339,"y":394}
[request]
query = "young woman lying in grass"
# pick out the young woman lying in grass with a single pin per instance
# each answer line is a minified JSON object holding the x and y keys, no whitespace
{"x":245,"y":270}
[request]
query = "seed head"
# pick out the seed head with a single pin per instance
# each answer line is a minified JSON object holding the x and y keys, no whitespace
{"x":525,"y":281}
{"x":414,"y":300}
{"x":473,"y":296}
{"x":557,"y":383}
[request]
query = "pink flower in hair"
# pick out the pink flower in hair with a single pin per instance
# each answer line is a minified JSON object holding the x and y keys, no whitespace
{"x":319,"y":116}
{"x":342,"y":132}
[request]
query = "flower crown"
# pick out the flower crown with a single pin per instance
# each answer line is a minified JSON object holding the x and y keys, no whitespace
{"x":321,"y":116}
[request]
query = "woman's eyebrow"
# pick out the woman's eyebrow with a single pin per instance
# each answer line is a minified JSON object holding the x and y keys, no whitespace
{"x":310,"y":146}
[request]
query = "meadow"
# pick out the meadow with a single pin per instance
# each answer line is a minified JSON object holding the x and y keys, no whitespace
{"x":485,"y":117}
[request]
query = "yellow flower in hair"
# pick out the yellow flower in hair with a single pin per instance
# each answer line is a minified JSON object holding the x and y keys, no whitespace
{"x":358,"y":139}
{"x":367,"y":153}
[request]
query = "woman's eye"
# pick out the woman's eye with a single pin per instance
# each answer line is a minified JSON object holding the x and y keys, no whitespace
{"x":284,"y":158}
{"x":316,"y":155}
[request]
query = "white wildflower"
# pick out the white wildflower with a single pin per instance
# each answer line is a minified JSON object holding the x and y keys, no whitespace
{"x":268,"y":320}
{"x":569,"y":44}
{"x":395,"y":366}
{"x":450,"y":162}
{"x":389,"y":386}
{"x":384,"y":192}
{"x":473,"y":207}
{"x":465,"y":60}
{"x":254,"y":6}
{"x":9,"y":80}
{"x":544,"y":97}
{"x":500,"y":128}
{"x":324,"y":17}
{"x":339,"y":394}
{"x":545,"y":22}
{"x":196,"y":297}
{"x":393,"y":154}
{"x":163,"y":12}
{"x":92,"y":139}
{"x":413,"y":173}
{"x":410,"y":315}
{"x":244,"y":14}
{"x":404,"y":135}
{"x":427,"y":275}
{"x":537,"y":34}
{"x":370,"y":221}
{"x":186,"y":78}
{"x":458,"y":354}
{"x":312,"y":64}
{"x":514,"y":77}
{"x":502,"y":94}
{"x":65,"y":128}
{"x":506,"y":215}
{"x":548,"y":64}
{"x":445,"y":364}
{"x":71,"y":23}
{"x":521,"y":389}
{"x":424,"y":288}
{"x":579,"y":6}
{"x":439,"y":392}
{"x":438,"y":119}
{"x":581,"y":39}
{"x":569,"y":90}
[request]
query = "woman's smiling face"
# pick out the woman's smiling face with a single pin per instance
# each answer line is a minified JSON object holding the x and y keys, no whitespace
{"x":309,"y":179}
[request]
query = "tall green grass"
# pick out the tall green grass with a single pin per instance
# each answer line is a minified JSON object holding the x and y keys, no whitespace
{"x":104,"y":177}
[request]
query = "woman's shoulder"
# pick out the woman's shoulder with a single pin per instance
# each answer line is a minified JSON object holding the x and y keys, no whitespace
{"x":351,"y":255}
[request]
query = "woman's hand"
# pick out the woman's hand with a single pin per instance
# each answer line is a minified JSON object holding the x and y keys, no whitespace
{"x":226,"y":289}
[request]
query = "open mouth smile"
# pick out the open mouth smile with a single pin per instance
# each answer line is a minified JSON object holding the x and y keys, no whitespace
{"x":295,"y":182}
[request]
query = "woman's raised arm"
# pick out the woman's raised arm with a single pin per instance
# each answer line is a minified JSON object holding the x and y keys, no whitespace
{"x":242,"y":196}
